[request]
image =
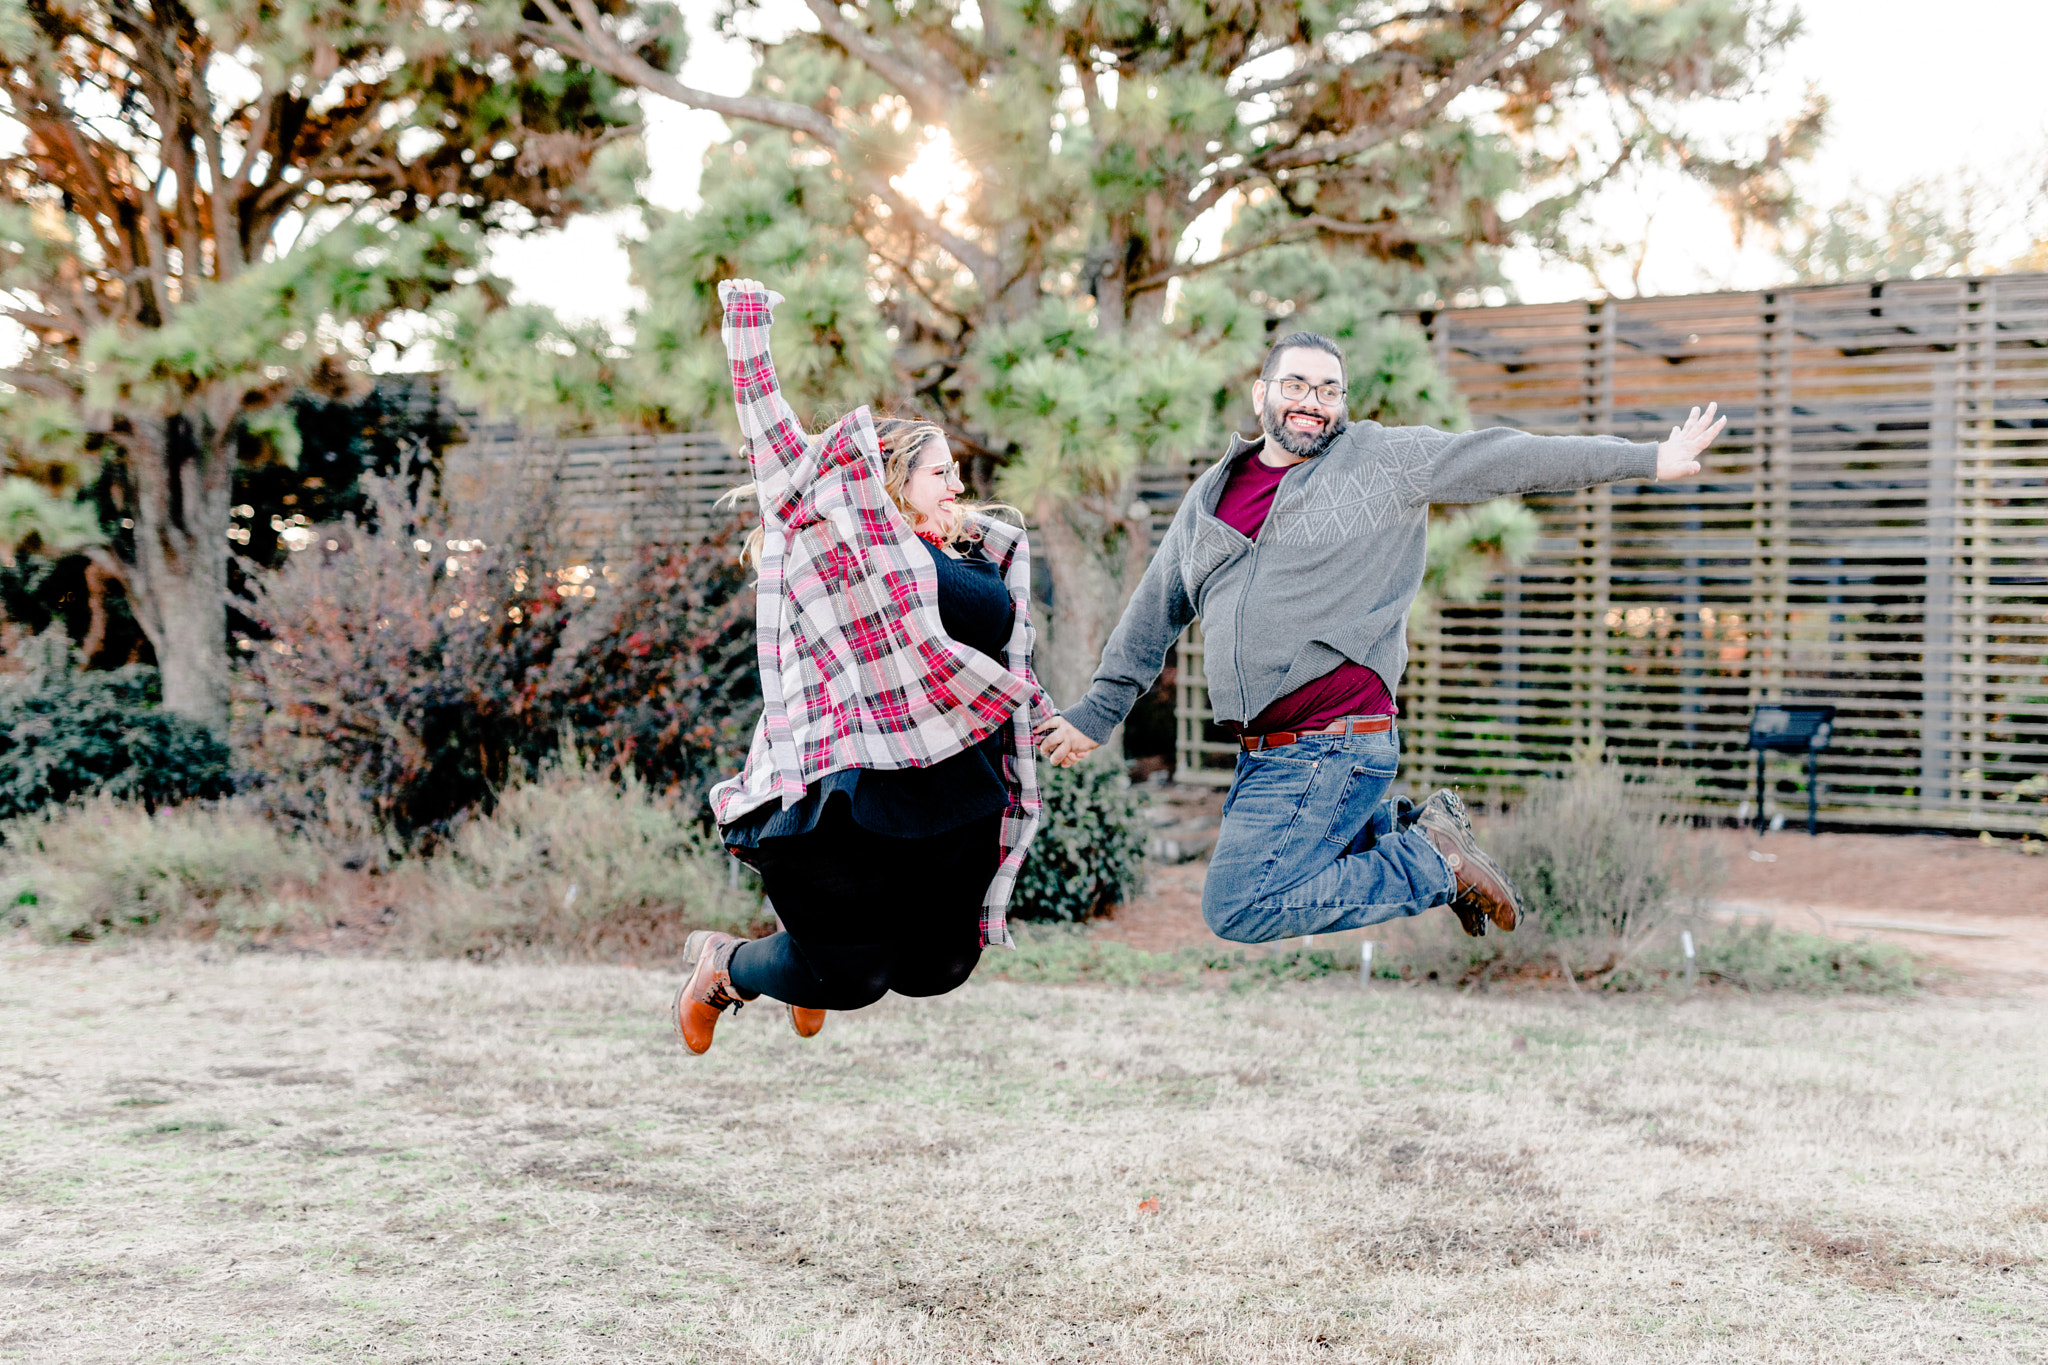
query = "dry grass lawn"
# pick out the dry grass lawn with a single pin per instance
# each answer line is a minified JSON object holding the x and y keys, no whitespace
{"x":207,"y":1156}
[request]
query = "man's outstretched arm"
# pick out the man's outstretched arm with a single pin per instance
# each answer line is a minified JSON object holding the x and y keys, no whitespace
{"x":1475,"y":466}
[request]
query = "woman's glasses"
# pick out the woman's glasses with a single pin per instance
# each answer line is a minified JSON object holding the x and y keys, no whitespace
{"x":1294,"y":390}
{"x":950,"y":471}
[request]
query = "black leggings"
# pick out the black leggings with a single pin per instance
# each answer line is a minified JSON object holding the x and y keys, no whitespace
{"x":864,"y":914}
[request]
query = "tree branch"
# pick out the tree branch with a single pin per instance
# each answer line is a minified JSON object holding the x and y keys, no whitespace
{"x":253,"y":146}
{"x":1160,"y":279}
{"x":28,"y":381}
{"x":903,"y":268}
{"x":1470,"y":72}
{"x":227,"y":236}
{"x":586,"y":37}
{"x":589,"y":39}
{"x":929,"y":99}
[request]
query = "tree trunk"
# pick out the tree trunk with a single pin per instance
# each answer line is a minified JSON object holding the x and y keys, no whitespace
{"x":1095,"y":552}
{"x":182,"y":468}
{"x":97,"y":580}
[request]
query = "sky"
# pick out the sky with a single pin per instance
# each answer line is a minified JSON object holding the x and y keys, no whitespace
{"x":1916,"y":90}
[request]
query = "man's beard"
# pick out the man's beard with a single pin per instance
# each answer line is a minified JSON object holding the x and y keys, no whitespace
{"x":1274,"y":422}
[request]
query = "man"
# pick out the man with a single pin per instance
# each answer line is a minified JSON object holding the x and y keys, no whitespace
{"x":1301,"y":553}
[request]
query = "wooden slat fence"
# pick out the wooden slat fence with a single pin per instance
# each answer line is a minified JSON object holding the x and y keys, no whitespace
{"x":616,"y":492}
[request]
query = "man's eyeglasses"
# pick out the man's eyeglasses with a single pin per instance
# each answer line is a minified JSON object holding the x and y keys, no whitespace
{"x":1294,"y":390}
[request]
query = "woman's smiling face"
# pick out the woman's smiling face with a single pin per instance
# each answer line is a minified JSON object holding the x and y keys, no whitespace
{"x":933,"y":486}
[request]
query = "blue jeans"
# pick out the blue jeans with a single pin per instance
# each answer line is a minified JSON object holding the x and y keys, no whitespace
{"x":1310,"y":845}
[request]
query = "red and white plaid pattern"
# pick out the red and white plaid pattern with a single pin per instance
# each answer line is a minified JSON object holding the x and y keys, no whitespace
{"x":856,"y":671}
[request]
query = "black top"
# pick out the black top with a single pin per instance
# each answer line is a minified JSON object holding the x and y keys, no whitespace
{"x":910,"y":803}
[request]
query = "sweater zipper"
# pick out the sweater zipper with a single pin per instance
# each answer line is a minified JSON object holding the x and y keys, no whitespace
{"x":1250,"y":576}
{"x":1237,"y":654}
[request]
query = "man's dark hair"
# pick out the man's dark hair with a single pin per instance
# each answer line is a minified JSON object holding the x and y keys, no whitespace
{"x":1313,"y":341}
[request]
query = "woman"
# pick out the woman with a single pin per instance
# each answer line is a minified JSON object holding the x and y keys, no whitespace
{"x":889,"y":792}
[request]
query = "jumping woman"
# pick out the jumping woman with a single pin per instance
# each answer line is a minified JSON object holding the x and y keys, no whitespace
{"x":889,"y":792}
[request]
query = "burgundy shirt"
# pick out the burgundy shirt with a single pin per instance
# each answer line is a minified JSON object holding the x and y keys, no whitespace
{"x":1350,"y":689}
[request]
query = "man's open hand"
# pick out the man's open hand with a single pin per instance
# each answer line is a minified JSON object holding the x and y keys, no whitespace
{"x":1678,"y":457}
{"x":1062,"y":742}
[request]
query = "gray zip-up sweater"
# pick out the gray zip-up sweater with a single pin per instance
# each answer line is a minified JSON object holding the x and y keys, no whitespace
{"x":1335,"y":567}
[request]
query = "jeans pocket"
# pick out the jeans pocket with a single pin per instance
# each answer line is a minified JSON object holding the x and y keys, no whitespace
{"x":1345,"y":823}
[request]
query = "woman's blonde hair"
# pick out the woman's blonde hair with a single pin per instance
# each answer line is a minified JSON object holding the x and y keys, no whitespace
{"x":902,"y":440}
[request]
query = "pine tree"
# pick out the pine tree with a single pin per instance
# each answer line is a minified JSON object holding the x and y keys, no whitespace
{"x":218,"y":203}
{"x":979,"y":210}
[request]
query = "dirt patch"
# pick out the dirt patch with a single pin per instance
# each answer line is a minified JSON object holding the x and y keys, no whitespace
{"x":1920,"y":872}
{"x":1167,"y":916}
{"x":1879,"y":1261}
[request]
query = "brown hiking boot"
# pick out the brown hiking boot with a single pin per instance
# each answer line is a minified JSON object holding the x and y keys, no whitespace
{"x":1483,"y":891}
{"x":707,"y":990}
{"x":807,"y":1023}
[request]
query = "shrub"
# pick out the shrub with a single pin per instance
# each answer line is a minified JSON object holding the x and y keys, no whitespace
{"x":576,"y":863}
{"x":429,"y":659}
{"x":1089,"y":854}
{"x":65,"y":734}
{"x":108,"y":868}
{"x":1602,"y":867}
{"x":1594,"y":855}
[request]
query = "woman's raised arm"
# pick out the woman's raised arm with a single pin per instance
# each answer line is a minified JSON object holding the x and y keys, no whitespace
{"x":775,"y":438}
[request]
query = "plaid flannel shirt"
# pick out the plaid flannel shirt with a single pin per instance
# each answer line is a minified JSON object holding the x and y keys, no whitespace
{"x":856,"y":671}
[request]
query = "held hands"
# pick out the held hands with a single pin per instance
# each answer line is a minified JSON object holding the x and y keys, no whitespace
{"x":1679,"y":456}
{"x":1062,"y":742}
{"x":728,"y":288}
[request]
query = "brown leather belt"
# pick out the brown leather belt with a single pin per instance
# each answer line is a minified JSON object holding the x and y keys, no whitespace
{"x":1349,"y":725}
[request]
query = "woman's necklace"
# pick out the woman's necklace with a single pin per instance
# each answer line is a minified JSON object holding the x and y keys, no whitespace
{"x":932,"y":538}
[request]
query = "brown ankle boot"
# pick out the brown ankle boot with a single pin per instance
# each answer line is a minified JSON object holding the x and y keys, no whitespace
{"x":1483,"y":891}
{"x":707,"y":990}
{"x":807,"y":1023}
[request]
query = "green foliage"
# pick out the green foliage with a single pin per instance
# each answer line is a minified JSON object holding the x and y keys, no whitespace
{"x":228,"y":205}
{"x":1471,"y":542}
{"x":1768,"y":958}
{"x":1089,"y":853}
{"x":1926,"y":227}
{"x":772,"y":211}
{"x":65,"y":734}
{"x":1070,"y":954}
{"x":573,"y":862}
{"x":110,"y":867}
{"x":1074,"y":955}
{"x":33,"y":520}
{"x":1042,"y":301}
{"x":1140,"y":194}
{"x":426,"y":661}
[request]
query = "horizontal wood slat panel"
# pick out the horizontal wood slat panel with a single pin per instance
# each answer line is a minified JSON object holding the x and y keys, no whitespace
{"x":616,"y":492}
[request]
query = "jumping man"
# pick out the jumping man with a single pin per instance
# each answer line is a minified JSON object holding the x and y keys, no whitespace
{"x":1301,"y":553}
